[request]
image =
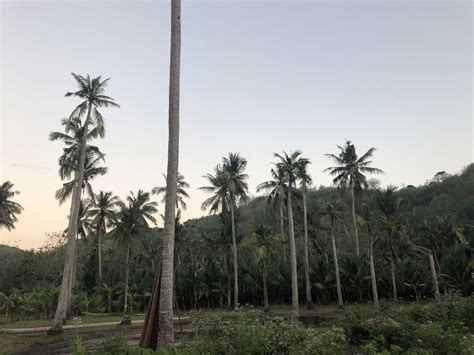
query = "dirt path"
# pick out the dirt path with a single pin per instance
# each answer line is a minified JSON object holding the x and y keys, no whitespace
{"x":37,"y":342}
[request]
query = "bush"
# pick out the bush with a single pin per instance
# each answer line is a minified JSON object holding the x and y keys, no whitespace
{"x":115,"y":343}
{"x":252,"y":333}
{"x":436,"y":327}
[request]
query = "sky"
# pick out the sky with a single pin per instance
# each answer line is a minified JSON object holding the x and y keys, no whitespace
{"x":257,"y":77}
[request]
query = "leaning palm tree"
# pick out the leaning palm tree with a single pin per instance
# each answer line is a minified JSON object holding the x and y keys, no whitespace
{"x":276,"y":189}
{"x":132,"y":221}
{"x":8,"y":209}
{"x":305,"y":181}
{"x":334,"y":211}
{"x":102,"y":210}
{"x":181,"y":192}
{"x":91,"y":92}
{"x":291,"y":166}
{"x":349,"y":172}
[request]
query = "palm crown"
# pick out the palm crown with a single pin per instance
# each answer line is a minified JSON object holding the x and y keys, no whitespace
{"x":91,"y":91}
{"x":8,"y":208}
{"x":181,"y":193}
{"x":291,"y":165}
{"x":102,"y":209}
{"x":351,"y":168}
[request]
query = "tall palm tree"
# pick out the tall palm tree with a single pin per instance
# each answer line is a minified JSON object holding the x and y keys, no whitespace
{"x":388,"y":203}
{"x":291,"y":166}
{"x":102,"y":210}
{"x":234,"y":166}
{"x":349,"y":172}
{"x":132,"y":221}
{"x":371,"y":220}
{"x":334,"y":211}
{"x":305,"y":181}
{"x":181,"y":192}
{"x":8,"y":209}
{"x":91,"y":92}
{"x":276,"y":189}
{"x":166,"y":334}
{"x":263,"y":235}
{"x":228,"y":186}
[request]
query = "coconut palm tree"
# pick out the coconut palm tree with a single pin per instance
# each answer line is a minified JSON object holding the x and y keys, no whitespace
{"x":228,"y":186}
{"x":132,"y":222}
{"x":305,"y":182}
{"x":371,"y":220}
{"x":291,"y":166}
{"x":91,"y":170}
{"x":276,"y":189}
{"x":349,"y":172}
{"x":8,"y":208}
{"x":334,"y":212}
{"x":263,"y":236}
{"x":234,"y":166}
{"x":102,"y":210}
{"x":388,"y":203}
{"x":181,"y":192}
{"x":166,"y":334}
{"x":91,"y":92}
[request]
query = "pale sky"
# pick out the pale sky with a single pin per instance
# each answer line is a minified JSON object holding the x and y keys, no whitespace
{"x":258,"y":77}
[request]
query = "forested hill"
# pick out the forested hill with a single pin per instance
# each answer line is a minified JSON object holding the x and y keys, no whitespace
{"x":438,"y":216}
{"x":444,"y":195}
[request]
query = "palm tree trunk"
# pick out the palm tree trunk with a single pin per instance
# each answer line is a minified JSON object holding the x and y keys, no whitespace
{"x":266,"y":306}
{"x":282,"y":227}
{"x":375,"y":294}
{"x":99,"y":251}
{"x":354,"y":219}
{"x":64,"y":295}
{"x":229,"y":286}
{"x":166,"y":335}
{"x":234,"y":259}
{"x":340,"y":301}
{"x":435,"y":277}
{"x":72,"y":278}
{"x":394,"y":281}
{"x":309,"y":300}
{"x":294,"y":271}
{"x":125,"y":296}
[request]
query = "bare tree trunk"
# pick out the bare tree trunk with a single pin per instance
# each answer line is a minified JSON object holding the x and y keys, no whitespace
{"x":234,"y":259}
{"x":266,"y":306}
{"x":165,"y":333}
{"x":229,"y":287}
{"x":435,"y":277}
{"x":309,"y":300}
{"x":99,"y":251}
{"x":125,"y":299}
{"x":294,"y":271}
{"x":71,"y":281}
{"x":64,"y":295}
{"x":282,"y":227}
{"x":340,"y":301}
{"x":394,"y":281}
{"x":375,"y":294}
{"x":354,"y":219}
{"x":148,"y":338}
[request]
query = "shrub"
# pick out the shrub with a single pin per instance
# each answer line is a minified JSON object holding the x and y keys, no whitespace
{"x":115,"y":343}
